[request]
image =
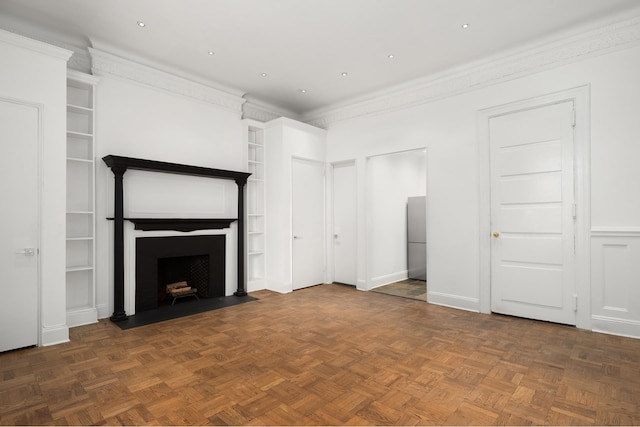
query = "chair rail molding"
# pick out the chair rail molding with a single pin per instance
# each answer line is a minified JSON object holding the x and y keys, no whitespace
{"x":497,"y":69}
{"x":110,"y":65}
{"x":615,"y":231}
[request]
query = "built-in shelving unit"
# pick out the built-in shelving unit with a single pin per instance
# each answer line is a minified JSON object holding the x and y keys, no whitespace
{"x":80,"y":248}
{"x":255,"y":205}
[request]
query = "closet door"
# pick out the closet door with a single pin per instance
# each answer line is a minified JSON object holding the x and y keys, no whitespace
{"x":19,"y":222}
{"x":308,"y":223}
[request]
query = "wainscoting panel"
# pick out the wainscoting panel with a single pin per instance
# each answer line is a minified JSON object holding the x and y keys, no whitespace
{"x":615,"y":280}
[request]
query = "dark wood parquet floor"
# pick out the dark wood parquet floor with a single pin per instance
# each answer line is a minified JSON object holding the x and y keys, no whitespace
{"x":327,"y":355}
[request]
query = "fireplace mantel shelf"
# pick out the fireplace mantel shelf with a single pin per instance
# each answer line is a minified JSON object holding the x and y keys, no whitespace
{"x":179,"y":224}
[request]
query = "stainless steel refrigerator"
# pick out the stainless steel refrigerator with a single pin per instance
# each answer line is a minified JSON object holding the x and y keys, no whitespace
{"x":417,"y":237}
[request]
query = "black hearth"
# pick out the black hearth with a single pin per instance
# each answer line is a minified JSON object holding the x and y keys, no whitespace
{"x":198,"y":260}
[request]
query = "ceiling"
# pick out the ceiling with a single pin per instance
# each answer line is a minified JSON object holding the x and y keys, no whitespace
{"x":272,"y":50}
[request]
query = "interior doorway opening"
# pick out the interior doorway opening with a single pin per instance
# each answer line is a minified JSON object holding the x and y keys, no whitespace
{"x":393,"y":180}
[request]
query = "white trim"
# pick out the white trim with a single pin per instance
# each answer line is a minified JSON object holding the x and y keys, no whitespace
{"x":107,"y":64}
{"x":514,"y":64}
{"x":580,"y":97}
{"x":79,"y":76}
{"x":453,"y":301}
{"x":264,"y":112}
{"x":103,"y":311}
{"x":130,"y":236}
{"x":52,"y":335}
{"x":615,"y":232}
{"x":284,"y":121}
{"x":616,"y":326}
{"x":83,"y":316}
{"x":35,"y":46}
{"x":376,"y":282}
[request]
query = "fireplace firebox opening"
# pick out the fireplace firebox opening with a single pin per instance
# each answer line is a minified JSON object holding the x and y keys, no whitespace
{"x":163,"y":263}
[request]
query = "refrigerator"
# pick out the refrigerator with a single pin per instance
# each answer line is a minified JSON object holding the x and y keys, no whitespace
{"x":417,"y":237}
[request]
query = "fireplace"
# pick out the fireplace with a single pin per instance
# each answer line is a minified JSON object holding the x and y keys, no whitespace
{"x":160,"y":261}
{"x":119,"y":166}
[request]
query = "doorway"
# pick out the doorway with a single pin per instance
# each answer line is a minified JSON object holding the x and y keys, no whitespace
{"x":534,"y":208}
{"x":532,"y":194}
{"x":392,"y":179}
{"x":308,"y":224}
{"x":344,"y":236}
{"x":19,"y":269}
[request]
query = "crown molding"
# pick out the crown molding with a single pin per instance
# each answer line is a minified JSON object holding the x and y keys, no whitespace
{"x":474,"y":76}
{"x":34,"y":45}
{"x":264,"y":112}
{"x":79,"y":60}
{"x":109,"y":65}
{"x":256,"y":112}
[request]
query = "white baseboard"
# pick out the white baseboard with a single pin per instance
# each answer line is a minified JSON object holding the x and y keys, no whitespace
{"x":615,"y":326}
{"x":389,"y":278}
{"x":361,"y":285}
{"x":255,"y":285}
{"x":103,"y":311}
{"x":81,"y":317}
{"x":454,"y":301}
{"x":52,"y":335}
{"x":280,"y":287}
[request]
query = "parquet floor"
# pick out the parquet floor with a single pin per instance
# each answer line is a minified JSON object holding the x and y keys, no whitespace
{"x":327,"y":355}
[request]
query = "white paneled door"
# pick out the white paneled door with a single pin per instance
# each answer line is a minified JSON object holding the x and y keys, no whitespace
{"x":344,"y":223}
{"x":532,"y":220}
{"x":19,"y":222}
{"x":308,"y":223}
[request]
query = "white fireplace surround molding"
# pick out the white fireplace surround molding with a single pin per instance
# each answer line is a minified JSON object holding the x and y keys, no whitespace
{"x":130,"y":236}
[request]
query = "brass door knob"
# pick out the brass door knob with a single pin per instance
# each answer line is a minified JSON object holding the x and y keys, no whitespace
{"x":496,"y":234}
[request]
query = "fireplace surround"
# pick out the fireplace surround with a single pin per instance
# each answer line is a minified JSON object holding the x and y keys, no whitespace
{"x":119,"y":165}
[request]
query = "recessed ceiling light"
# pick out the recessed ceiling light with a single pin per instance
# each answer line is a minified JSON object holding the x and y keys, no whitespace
{"x":264,"y":74}
{"x":303,"y":91}
{"x":141,"y":24}
{"x":465,"y":26}
{"x":211,"y":52}
{"x":391,"y":56}
{"x":344,"y":74}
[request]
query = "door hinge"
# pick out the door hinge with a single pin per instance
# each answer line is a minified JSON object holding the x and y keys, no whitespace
{"x":575,"y":302}
{"x":574,"y":210}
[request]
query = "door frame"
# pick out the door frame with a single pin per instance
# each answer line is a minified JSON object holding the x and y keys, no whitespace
{"x":580,"y":96}
{"x":324,"y":214}
{"x":40,"y":144}
{"x":369,"y":226}
{"x":330,"y":207}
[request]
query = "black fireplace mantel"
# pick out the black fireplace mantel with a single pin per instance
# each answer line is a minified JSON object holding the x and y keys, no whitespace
{"x":119,"y":165}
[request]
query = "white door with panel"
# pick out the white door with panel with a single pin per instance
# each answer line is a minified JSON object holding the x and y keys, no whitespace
{"x":20,"y":225}
{"x":344,"y":223}
{"x":532,"y":213}
{"x":308,"y":257}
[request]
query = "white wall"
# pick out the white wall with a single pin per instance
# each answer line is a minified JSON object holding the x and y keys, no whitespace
{"x":448,"y":128}
{"x":391,"y":179}
{"x":138,"y":120}
{"x":36,"y":73}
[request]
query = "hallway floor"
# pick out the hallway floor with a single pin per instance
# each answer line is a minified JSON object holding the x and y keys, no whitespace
{"x":410,"y":288}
